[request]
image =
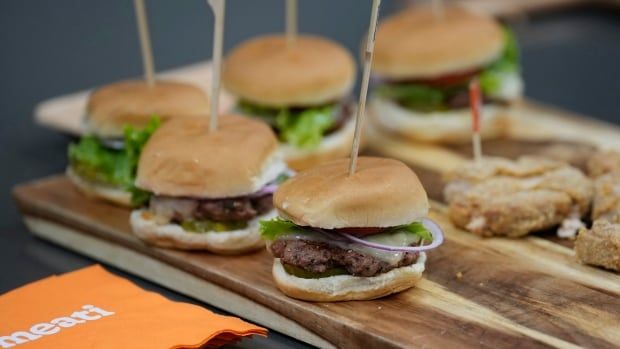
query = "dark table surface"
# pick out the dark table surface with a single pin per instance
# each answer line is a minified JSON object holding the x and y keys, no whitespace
{"x":570,"y":59}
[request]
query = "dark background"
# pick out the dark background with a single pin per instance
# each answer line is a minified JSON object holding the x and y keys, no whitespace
{"x":49,"y":48}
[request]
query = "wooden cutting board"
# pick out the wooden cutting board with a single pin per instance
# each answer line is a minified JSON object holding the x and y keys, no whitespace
{"x":476,"y":293}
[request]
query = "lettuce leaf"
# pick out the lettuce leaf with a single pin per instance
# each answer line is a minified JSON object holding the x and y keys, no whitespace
{"x":491,"y":76}
{"x":92,"y":160}
{"x":277,"y":227}
{"x":300,"y":127}
{"x":274,"y":228}
{"x":415,"y":96}
{"x":416,"y":228}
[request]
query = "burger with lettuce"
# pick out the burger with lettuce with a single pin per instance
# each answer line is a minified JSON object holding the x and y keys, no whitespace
{"x":423,"y":64}
{"x":301,"y":89}
{"x":343,"y":237}
{"x":119,"y":119}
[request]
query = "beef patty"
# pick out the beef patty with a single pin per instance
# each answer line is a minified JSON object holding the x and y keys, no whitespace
{"x":222,"y":210}
{"x":317,"y":257}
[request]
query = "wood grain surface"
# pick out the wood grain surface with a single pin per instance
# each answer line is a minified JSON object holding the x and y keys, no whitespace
{"x":476,"y":293}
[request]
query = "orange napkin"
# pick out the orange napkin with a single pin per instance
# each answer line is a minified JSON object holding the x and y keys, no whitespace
{"x":91,"y":308}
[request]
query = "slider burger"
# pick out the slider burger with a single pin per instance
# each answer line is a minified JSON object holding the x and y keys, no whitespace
{"x":119,"y":119}
{"x":501,"y":197}
{"x":208,"y":190}
{"x":422,"y":67}
{"x":301,"y":89}
{"x":341,"y":237}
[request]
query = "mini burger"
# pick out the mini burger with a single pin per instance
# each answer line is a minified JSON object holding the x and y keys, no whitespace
{"x":301,"y":89}
{"x":119,"y":119}
{"x":423,"y":64}
{"x":339,"y":237}
{"x":208,"y":190}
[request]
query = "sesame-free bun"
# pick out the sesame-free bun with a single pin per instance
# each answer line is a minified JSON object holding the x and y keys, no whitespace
{"x":268,"y":71}
{"x":134,"y":103}
{"x":451,"y":126}
{"x":415,"y":44}
{"x":183,"y":158}
{"x":114,"y":195}
{"x":145,"y":226}
{"x":381,"y":193}
{"x":347,"y":287}
{"x":333,"y":146}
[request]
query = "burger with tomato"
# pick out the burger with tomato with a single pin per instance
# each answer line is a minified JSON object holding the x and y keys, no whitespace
{"x":343,"y":237}
{"x":423,"y":63}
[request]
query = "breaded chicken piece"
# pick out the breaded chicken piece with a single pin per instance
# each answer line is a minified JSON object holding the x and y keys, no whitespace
{"x":500,"y":197}
{"x":606,"y":204}
{"x":600,"y":245}
{"x":603,"y":162}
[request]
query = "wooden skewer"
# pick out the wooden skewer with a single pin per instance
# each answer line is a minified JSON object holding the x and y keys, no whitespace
{"x":145,"y":42}
{"x":438,"y":9}
{"x":218,"y":7}
{"x":475,"y":103}
{"x":361,"y":106}
{"x":291,"y":21}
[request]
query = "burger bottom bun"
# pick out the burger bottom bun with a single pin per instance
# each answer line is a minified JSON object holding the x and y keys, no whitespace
{"x":94,"y":190}
{"x":437,"y":127}
{"x":348,"y":287}
{"x":172,"y":235}
{"x":335,"y":145}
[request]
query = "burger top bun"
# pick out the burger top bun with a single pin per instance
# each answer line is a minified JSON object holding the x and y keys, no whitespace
{"x":111,"y":107}
{"x":381,"y":193}
{"x":183,"y":158}
{"x":416,"y":44}
{"x":270,"y":72}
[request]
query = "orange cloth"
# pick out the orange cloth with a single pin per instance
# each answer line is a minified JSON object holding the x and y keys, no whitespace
{"x":91,"y":308}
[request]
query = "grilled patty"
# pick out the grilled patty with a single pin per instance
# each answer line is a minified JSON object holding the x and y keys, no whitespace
{"x":222,"y":210}
{"x":317,"y":257}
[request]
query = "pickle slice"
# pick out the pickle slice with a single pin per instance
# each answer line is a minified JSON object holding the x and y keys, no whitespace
{"x":210,"y":226}
{"x":304,"y":274}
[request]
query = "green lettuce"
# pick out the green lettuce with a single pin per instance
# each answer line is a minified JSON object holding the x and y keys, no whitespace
{"x":416,"y":96}
{"x":277,"y":227}
{"x":300,"y":127}
{"x":274,"y":228}
{"x":425,"y":98}
{"x":93,"y":161}
{"x":491,"y":76}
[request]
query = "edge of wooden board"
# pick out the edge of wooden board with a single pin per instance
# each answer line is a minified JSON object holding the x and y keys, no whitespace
{"x":167,"y":276}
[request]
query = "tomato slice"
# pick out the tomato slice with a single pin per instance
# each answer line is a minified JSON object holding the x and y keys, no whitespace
{"x":452,"y":79}
{"x":363,"y":231}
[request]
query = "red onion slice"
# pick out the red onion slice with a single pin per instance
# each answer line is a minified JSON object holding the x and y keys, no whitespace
{"x":271,"y":187}
{"x":435,"y":230}
{"x":268,"y":189}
